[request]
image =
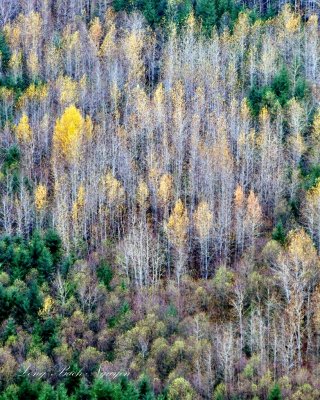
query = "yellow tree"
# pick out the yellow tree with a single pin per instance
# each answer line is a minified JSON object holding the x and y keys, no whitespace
{"x":24,"y":135}
{"x":165,"y":192}
{"x":177,"y":229}
{"x":34,"y":101}
{"x":115,"y":191}
{"x":142,"y":194}
{"x":23,"y":130}
{"x":115,"y":197}
{"x":239,"y":207}
{"x":253,"y":219}
{"x":33,"y":64}
{"x":41,"y":201}
{"x":68,"y":89}
{"x":67,"y":150}
{"x":16,"y":64}
{"x":159,"y":105}
{"x":203,"y":219}
{"x":6,"y":101}
{"x":78,"y":214}
{"x":108,"y":46}
{"x":40,"y":197}
{"x":95,"y":32}
{"x":68,"y":134}
{"x":133,"y":45}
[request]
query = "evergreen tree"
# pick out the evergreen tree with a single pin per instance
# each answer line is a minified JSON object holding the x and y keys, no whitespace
{"x":275,"y":393}
{"x":41,"y":258}
{"x":105,"y":274}
{"x":279,"y":233}
{"x":145,"y":389}
{"x":53,"y":242}
{"x":206,"y":10}
{"x":34,"y":299}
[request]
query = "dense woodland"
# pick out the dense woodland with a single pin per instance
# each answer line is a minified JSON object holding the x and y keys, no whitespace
{"x":159,"y":200}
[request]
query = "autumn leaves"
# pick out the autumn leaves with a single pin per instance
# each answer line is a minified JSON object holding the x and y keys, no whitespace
{"x":179,"y":222}
{"x":68,"y":134}
{"x":172,"y":151}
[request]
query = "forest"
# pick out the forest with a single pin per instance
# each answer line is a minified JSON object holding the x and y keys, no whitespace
{"x":159,"y":200}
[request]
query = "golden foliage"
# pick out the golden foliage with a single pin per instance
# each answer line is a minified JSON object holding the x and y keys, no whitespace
{"x":313,"y":20}
{"x":12,"y":34}
{"x":33,"y":63}
{"x":302,"y":253}
{"x":239,"y":197}
{"x":108,"y":45}
{"x":313,"y":194}
{"x":178,"y":101}
{"x":177,"y":225}
{"x":316,"y":126}
{"x":254,"y":212}
{"x":15,"y":61}
{"x":203,"y":218}
{"x":69,"y":90}
{"x":300,"y":244}
{"x":71,"y":39}
{"x":81,"y":196}
{"x":33,"y":21}
{"x":142,"y":194}
{"x":88,"y":128}
{"x":293,"y":23}
{"x":264,"y":115}
{"x":297,"y":144}
{"x":115,"y":190}
{"x":68,"y":133}
{"x":165,"y":190}
{"x":242,"y":26}
{"x":133,"y":50}
{"x":154,"y":175}
{"x":23,"y":129}
{"x":40,"y":197}
{"x":79,"y":203}
{"x":158,"y":97}
{"x":6,"y":94}
{"x":95,"y":31}
{"x":34,"y":93}
{"x":37,"y":92}
{"x":47,"y":306}
{"x":191,"y":22}
{"x":312,"y":209}
{"x":245,"y":110}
